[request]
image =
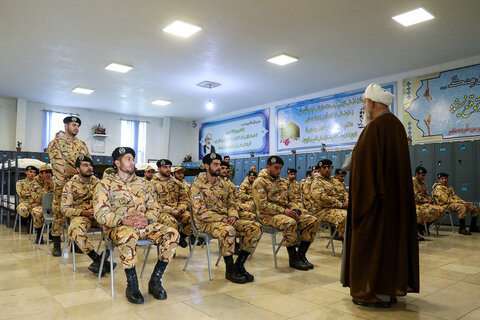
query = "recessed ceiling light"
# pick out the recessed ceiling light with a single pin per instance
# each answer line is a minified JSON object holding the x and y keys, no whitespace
{"x":123,"y":68}
{"x":182,"y":29}
{"x":413,"y":17}
{"x":282,"y":59}
{"x":210,"y":105}
{"x":160,"y":102}
{"x":82,"y":90}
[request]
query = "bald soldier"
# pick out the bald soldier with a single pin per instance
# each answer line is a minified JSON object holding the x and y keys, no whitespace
{"x":149,"y":173}
{"x":275,"y":210}
{"x":173,"y":201}
{"x":63,"y":152}
{"x":23,"y":188}
{"x":41,"y":185}
{"x":448,"y":200}
{"x":215,"y":212}
{"x":329,"y":197}
{"x":77,"y":205}
{"x":427,"y":212}
{"x":125,"y":205}
{"x":245,"y":191}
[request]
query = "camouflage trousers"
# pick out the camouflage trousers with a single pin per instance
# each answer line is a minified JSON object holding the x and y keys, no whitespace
{"x":248,"y":206}
{"x":37,"y":215}
{"x":24,"y":209}
{"x":307,"y":203}
{"x":172,"y":222}
{"x":462,"y":209}
{"x":77,"y":231}
{"x":126,"y":238}
{"x":427,"y":212}
{"x":249,"y":230}
{"x":59,"y":217}
{"x":307,"y":224}
{"x":246,"y":215}
{"x":335,"y":216}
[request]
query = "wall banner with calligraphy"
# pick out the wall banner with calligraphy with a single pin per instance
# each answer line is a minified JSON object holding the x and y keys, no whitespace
{"x":444,"y":105}
{"x":332,"y":121}
{"x":237,"y":136}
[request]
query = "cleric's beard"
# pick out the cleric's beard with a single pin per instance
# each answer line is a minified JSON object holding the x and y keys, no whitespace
{"x":366,"y":118}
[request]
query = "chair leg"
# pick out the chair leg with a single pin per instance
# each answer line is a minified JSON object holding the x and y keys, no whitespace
{"x":279,"y":245}
{"x":219,"y":254}
{"x":103,"y":260}
{"x":15,"y":223}
{"x":191,"y":253}
{"x":274,"y":245}
{"x":111,"y":270}
{"x":48,"y":238}
{"x":145,"y":262}
{"x":207,"y":242}
{"x":73,"y":252}
{"x":41,"y":235}
{"x":451,"y":222}
{"x":65,"y":253}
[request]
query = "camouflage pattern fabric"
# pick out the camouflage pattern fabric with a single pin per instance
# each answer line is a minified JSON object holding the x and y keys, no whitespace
{"x":245,"y":210}
{"x":77,"y":232}
{"x":426,"y":210}
{"x":38,"y":191}
{"x":448,"y":200}
{"x":294,"y":192}
{"x":306,"y":193}
{"x":25,"y":198}
{"x":246,"y":197}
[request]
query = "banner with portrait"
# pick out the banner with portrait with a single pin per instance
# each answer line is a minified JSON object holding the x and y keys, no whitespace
{"x":443,"y":105}
{"x":237,"y":136}
{"x":331,"y":121}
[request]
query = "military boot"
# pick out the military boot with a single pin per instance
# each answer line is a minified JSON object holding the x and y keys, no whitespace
{"x":421,"y":229}
{"x":57,"y":251}
{"x":39,"y":231}
{"x":473,"y":225}
{"x":302,"y":251}
{"x":155,"y":284}
{"x":232,"y":273}
{"x":240,"y":265}
{"x":97,"y":261}
{"x":183,"y":243}
{"x":76,"y":248}
{"x":133,"y":292}
{"x":294,"y":261}
{"x":462,"y":229}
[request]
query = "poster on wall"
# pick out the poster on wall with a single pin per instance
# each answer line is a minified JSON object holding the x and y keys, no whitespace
{"x":236,"y":136}
{"x":331,"y":121}
{"x":443,"y":105}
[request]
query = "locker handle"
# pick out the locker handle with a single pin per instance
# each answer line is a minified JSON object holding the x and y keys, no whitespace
{"x":439,"y":163}
{"x":460,"y":162}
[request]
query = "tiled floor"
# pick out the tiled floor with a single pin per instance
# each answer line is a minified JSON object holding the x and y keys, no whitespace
{"x":35,"y":286}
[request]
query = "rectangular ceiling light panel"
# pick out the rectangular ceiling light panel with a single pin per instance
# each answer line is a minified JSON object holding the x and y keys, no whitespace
{"x":182,"y":29}
{"x":282,"y":59}
{"x":160,"y":102}
{"x":117,"y":67}
{"x":82,"y":90}
{"x":413,"y":17}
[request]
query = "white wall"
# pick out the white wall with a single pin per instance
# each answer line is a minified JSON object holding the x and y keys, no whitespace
{"x":8,"y":116}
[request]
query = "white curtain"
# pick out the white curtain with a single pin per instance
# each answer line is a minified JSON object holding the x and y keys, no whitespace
{"x":134,"y":135}
{"x":52,"y":123}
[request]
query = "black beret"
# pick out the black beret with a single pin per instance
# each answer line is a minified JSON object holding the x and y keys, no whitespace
{"x":275,"y":160}
{"x":420,"y":170}
{"x":252,"y":173}
{"x":441,"y":175}
{"x":291,"y":170}
{"x":308,"y":172}
{"x":210,"y":157}
{"x":83,"y":158}
{"x":72,"y":119}
{"x":31,"y":168}
{"x":120,"y":151}
{"x":314,"y":168}
{"x":224,"y":164}
{"x":324,"y":162}
{"x":164,"y":162}
{"x":340,"y":171}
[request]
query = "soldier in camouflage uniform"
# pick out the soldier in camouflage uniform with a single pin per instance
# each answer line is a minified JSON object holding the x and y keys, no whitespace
{"x":76,"y":204}
{"x":41,"y":185}
{"x":427,"y":212}
{"x":231,"y":168}
{"x":126,"y":207}
{"x":108,"y":171}
{"x":448,"y":200}
{"x":23,"y":188}
{"x":340,"y":176}
{"x":306,"y":189}
{"x":149,"y":173}
{"x":274,"y":209}
{"x":215,"y":212}
{"x":329,"y":198}
{"x":63,"y":152}
{"x":293,"y":186}
{"x":173,"y":201}
{"x":179,"y":174}
{"x":245,"y":192}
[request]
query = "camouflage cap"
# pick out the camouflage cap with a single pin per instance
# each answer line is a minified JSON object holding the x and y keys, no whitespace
{"x":208,"y":159}
{"x":177,"y":169}
{"x":45,"y":167}
{"x":148,"y":168}
{"x":72,"y":119}
{"x":109,"y":171}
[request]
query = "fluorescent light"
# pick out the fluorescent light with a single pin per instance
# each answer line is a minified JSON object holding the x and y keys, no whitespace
{"x":282,"y":59}
{"x":160,"y":102}
{"x":123,"y":68}
{"x":210,"y":105}
{"x":413,"y":17}
{"x":182,"y":29}
{"x":82,"y":90}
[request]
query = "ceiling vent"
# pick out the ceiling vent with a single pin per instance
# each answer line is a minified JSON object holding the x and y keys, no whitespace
{"x":208,"y":84}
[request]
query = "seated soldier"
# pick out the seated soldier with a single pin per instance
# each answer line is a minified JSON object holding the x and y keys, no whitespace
{"x":340,"y":176}
{"x":41,"y":185}
{"x":127,"y":209}
{"x":329,"y":197}
{"x":149,"y":173}
{"x":173,"y":201}
{"x":306,"y":189}
{"x":275,"y":210}
{"x":215,"y":212}
{"x":448,"y":200}
{"x":179,"y":174}
{"x":108,"y":171}
{"x":253,"y":168}
{"x":245,"y":192}
{"x":76,"y":204}
{"x":293,"y":186}
{"x":242,"y":209}
{"x":427,"y":212}
{"x":23,"y":187}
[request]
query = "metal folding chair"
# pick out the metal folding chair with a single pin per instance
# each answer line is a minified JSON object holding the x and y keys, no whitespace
{"x":273,"y":233}
{"x":48,"y":218}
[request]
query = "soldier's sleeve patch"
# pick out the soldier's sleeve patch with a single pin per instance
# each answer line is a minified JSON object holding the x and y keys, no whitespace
{"x":64,"y":194}
{"x":53,"y":148}
{"x":321,"y":189}
{"x":197,"y":197}
{"x":260,"y":190}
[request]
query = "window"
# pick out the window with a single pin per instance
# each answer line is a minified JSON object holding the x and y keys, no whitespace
{"x":134,"y":135}
{"x":52,"y":123}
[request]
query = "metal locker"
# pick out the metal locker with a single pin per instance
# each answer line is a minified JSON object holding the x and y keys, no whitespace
{"x":343,"y":155}
{"x":20,"y":155}
{"x":238,"y":177}
{"x":262,"y":162}
{"x":443,"y":161}
{"x":424,"y":157}
{"x":311,"y":160}
{"x":289,"y":160}
{"x":252,"y":162}
{"x":45,"y":157}
{"x":465,"y":170}
{"x":6,"y":155}
{"x":107,"y":160}
{"x":97,"y":159}
{"x":34,"y":155}
{"x":189,"y":179}
{"x":246,"y":168}
{"x":301,"y":165}
{"x":411,"y":151}
{"x":336,"y":157}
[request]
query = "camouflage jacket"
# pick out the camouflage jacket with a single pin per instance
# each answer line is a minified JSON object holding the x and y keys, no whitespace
{"x":245,"y":193}
{"x":169,"y":193}
{"x":294,"y":191}
{"x":78,"y":196}
{"x":444,"y":195}
{"x":186,"y":187}
{"x":38,"y":189}
{"x":420,"y":191}
{"x":116,"y":200}
{"x":306,"y":192}
{"x":63,"y":153}
{"x":24,"y":191}
{"x":327,"y":193}
{"x":212,"y":202}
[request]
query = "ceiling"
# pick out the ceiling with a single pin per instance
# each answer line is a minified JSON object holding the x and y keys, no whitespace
{"x":48,"y":47}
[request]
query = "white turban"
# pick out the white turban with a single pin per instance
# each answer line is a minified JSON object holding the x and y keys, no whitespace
{"x":376,"y":93}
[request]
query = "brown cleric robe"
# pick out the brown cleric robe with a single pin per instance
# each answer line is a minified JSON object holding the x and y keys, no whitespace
{"x":381,"y":244}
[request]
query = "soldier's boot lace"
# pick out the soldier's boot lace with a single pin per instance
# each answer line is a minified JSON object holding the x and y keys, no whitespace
{"x":462,"y":229}
{"x":133,"y":293}
{"x":231,"y":272}
{"x":240,"y":265}
{"x":57,"y":251}
{"x":155,"y":284}
{"x":302,"y":251}
{"x":294,"y":261}
{"x":473,"y":225}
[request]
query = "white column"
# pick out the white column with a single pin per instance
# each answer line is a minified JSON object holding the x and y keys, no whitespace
{"x":166,"y":137}
{"x":21,"y":125}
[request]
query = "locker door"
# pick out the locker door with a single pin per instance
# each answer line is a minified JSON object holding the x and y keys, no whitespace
{"x":252,"y":162}
{"x":97,"y":159}
{"x":5,"y":155}
{"x":289,"y":161}
{"x":262,"y":162}
{"x":45,"y":157}
{"x":443,"y":161}
{"x":34,"y":155}
{"x":246,"y":168}
{"x":20,"y":155}
{"x":301,"y":165}
{"x":107,"y":160}
{"x":336,"y":158}
{"x":465,"y":170}
{"x":311,"y":160}
{"x":424,"y":156}
{"x":238,"y":164}
{"x":411,"y":151}
{"x":343,"y":155}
